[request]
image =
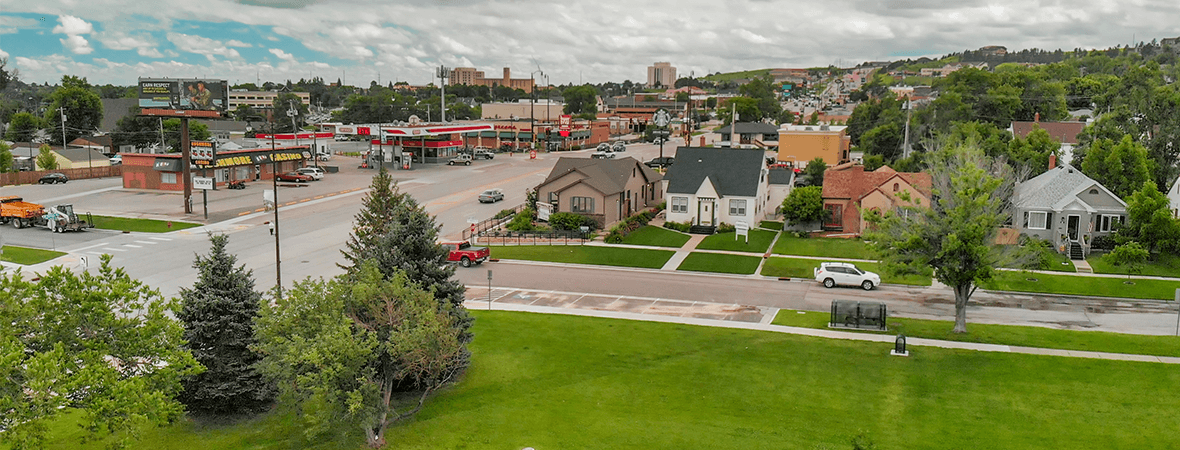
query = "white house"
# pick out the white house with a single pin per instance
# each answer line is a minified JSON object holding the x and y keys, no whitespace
{"x":711,"y":186}
{"x":1174,"y":198}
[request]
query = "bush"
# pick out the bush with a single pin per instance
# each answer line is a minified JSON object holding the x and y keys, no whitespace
{"x":504,"y":213}
{"x":801,"y":234}
{"x":662,"y":206}
{"x":1041,"y":254}
{"x":1103,"y":243}
{"x":570,"y":221}
{"x":682,"y":227}
{"x":726,"y":228}
{"x":523,"y":221}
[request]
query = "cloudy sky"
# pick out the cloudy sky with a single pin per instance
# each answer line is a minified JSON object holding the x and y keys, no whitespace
{"x":116,"y":41}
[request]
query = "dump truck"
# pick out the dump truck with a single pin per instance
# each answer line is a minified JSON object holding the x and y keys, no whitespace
{"x":59,"y":218}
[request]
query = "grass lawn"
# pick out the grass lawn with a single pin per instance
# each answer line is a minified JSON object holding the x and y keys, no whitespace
{"x":657,"y":236}
{"x":803,"y":268}
{"x":576,"y":382}
{"x":583,"y":254}
{"x":140,"y":225}
{"x":1081,"y":285}
{"x":759,"y":241}
{"x":771,"y":225}
{"x":830,"y":247}
{"x":1095,"y":341}
{"x":28,"y":256}
{"x":1163,"y":266}
{"x":1060,"y":263}
{"x":720,"y":263}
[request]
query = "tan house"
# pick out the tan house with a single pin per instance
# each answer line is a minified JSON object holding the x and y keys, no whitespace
{"x":606,"y":190}
{"x":80,"y":158}
{"x":849,"y":190}
{"x":798,"y":144}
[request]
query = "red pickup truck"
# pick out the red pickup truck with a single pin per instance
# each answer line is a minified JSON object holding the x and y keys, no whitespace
{"x":463,"y":253}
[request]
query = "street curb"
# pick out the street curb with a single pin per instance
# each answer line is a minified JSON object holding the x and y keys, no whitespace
{"x":1085,"y":297}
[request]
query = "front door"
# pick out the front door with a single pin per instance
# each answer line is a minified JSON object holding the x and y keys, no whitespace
{"x":1072,"y":227}
{"x":705,"y":212}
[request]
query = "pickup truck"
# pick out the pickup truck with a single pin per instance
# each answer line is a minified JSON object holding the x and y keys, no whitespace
{"x":463,"y":158}
{"x":463,"y":253}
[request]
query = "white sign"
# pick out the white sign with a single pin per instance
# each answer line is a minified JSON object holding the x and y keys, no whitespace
{"x":543,"y":211}
{"x":742,"y":229}
{"x":202,"y":183}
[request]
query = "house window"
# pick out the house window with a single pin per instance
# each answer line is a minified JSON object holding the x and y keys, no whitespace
{"x":553,"y":198}
{"x":1106,"y":222}
{"x":896,"y":187}
{"x":1037,"y":220}
{"x":680,"y":204}
{"x":582,"y":205}
{"x":168,"y":178}
{"x":737,"y":207}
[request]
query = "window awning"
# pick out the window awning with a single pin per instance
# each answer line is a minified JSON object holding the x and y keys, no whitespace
{"x":507,"y":134}
{"x":487,"y":134}
{"x":524,"y":135}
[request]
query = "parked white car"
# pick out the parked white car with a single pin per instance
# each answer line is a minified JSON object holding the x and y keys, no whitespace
{"x":845,"y":274}
{"x":315,"y":173}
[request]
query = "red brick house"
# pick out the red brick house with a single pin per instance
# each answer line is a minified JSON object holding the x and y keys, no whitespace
{"x":848,"y":189}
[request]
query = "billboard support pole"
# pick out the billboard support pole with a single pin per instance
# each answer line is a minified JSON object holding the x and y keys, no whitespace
{"x":186,"y":169}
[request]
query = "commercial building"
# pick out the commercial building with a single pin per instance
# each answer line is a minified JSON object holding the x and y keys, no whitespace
{"x":164,"y":171}
{"x":471,"y":77}
{"x":543,"y":109}
{"x":662,"y":74}
{"x":262,"y":99}
{"x":798,"y":144}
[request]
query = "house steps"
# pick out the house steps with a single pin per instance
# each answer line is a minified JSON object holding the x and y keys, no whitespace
{"x":1075,"y":251}
{"x":702,"y":229}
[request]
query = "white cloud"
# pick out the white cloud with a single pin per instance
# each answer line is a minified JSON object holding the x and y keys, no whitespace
{"x":3,"y":54}
{"x":12,"y":24}
{"x":201,"y":45}
{"x":150,"y":52}
{"x":283,"y":55}
{"x":752,"y":37}
{"x":119,"y":41}
{"x":77,"y":44}
{"x":72,"y":26}
{"x":237,"y":43}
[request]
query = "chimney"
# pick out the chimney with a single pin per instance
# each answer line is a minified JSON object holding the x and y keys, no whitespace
{"x":1037,"y":117}
{"x":1052,"y":160}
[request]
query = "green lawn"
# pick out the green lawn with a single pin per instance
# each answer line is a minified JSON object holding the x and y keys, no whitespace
{"x":140,"y":225}
{"x":829,"y":247}
{"x":720,"y":263}
{"x":771,"y":225}
{"x":759,"y":241}
{"x":28,"y":256}
{"x":578,"y":383}
{"x":1081,"y":285}
{"x":1164,"y":265}
{"x":803,"y":268}
{"x":1095,"y":341}
{"x":583,"y":254}
{"x":657,"y":236}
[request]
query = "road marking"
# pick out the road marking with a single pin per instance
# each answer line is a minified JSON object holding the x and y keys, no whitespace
{"x":318,"y":197}
{"x":288,"y":203}
{"x":132,"y":246}
{"x":114,"y":249}
{"x":98,"y":253}
{"x":160,"y":238}
{"x":92,"y":246}
{"x":304,"y":200}
{"x":147,"y":242}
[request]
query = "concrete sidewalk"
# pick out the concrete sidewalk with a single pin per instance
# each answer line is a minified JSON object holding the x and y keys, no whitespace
{"x":727,"y":316}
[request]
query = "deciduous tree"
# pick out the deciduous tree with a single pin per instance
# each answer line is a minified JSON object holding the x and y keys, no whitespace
{"x":804,"y":205}
{"x":23,"y":127}
{"x":45,"y":158}
{"x":218,"y":314}
{"x":1121,"y":167}
{"x":1149,"y":219}
{"x":102,"y":343}
{"x":82,"y":108}
{"x":364,"y":349}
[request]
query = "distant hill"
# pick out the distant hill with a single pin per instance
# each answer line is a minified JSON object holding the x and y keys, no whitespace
{"x":748,"y":74}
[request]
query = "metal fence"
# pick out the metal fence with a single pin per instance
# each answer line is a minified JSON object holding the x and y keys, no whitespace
{"x":861,"y":315}
{"x":479,"y":228}
{"x":551,"y":237}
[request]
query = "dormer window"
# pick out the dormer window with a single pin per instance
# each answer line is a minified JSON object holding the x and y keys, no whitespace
{"x":896,"y":187}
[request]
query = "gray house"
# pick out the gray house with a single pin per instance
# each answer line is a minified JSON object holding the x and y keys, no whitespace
{"x":1066,"y":208}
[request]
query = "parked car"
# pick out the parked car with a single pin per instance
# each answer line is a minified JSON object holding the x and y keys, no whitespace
{"x":482,"y":153}
{"x":618,"y":147}
{"x":846,"y":274}
{"x":323,"y":156}
{"x":461,"y":159}
{"x":116,"y":160}
{"x":660,"y":161}
{"x":315,"y":173}
{"x":463,"y":253}
{"x":603,"y":147}
{"x":602,"y":155}
{"x":53,"y":178}
{"x":491,"y":196}
{"x":294,"y":176}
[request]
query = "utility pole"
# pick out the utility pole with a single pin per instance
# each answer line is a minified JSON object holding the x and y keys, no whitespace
{"x":63,"y":127}
{"x":274,"y":183}
{"x":443,"y":74}
{"x":909,"y":110}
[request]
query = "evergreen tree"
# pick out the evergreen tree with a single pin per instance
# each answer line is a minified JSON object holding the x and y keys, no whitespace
{"x":218,"y":314}
{"x":397,"y":234}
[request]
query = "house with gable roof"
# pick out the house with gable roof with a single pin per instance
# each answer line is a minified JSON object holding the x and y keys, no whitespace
{"x":1066,"y":208}
{"x":711,"y":186}
{"x":606,"y":190}
{"x":848,"y":190}
{"x":1174,"y":199}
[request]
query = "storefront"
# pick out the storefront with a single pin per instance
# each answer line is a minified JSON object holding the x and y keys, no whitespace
{"x":165,"y":171}
{"x":430,"y":144}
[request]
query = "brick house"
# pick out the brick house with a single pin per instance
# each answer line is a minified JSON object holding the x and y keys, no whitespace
{"x":848,"y":189}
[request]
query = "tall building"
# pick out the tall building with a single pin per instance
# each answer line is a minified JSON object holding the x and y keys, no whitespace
{"x":661,"y":73}
{"x":471,"y":77}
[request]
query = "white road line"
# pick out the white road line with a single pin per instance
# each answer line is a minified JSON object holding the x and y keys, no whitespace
{"x":160,"y":239}
{"x":132,"y":246}
{"x":98,"y":253}
{"x":114,"y":249}
{"x":92,"y":246}
{"x":147,"y":242}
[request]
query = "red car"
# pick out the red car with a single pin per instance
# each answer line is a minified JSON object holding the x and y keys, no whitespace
{"x":463,"y":253}
{"x":294,"y":176}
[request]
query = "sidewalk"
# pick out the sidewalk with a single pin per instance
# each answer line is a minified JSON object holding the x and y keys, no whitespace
{"x":727,"y":316}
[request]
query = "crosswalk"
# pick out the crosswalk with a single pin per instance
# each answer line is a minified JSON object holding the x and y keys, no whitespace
{"x":109,"y":249}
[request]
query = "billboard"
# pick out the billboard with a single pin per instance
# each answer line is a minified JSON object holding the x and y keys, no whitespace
{"x":184,"y":94}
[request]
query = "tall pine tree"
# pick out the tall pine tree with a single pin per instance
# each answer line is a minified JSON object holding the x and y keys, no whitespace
{"x":397,"y":233}
{"x":218,"y":314}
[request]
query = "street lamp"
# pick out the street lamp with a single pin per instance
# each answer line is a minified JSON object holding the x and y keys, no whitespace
{"x":533,"y":108}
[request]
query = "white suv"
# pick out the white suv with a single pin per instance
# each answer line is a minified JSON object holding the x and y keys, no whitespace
{"x":315,"y":173}
{"x":834,"y":273}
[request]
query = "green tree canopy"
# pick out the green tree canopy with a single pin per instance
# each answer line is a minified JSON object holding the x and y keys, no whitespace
{"x":23,"y":127}
{"x":102,"y":343}
{"x":1032,"y":152}
{"x":1150,"y":220}
{"x":81,"y":106}
{"x":1121,"y":167}
{"x":196,"y":132}
{"x":46,"y":160}
{"x":580,"y":99}
{"x":218,"y":314}
{"x":815,"y":171}
{"x":804,"y":205}
{"x":6,"y":160}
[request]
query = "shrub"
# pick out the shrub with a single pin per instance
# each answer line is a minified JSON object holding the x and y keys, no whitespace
{"x":504,"y":213}
{"x":523,"y":221}
{"x":570,"y":221}
{"x":726,"y":228}
{"x":1041,"y":253}
{"x":662,"y":206}
{"x":801,"y":234}
{"x":682,"y":227}
{"x":1103,"y":243}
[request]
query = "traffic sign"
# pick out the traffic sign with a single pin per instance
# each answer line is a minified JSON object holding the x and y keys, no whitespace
{"x":202,"y":183}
